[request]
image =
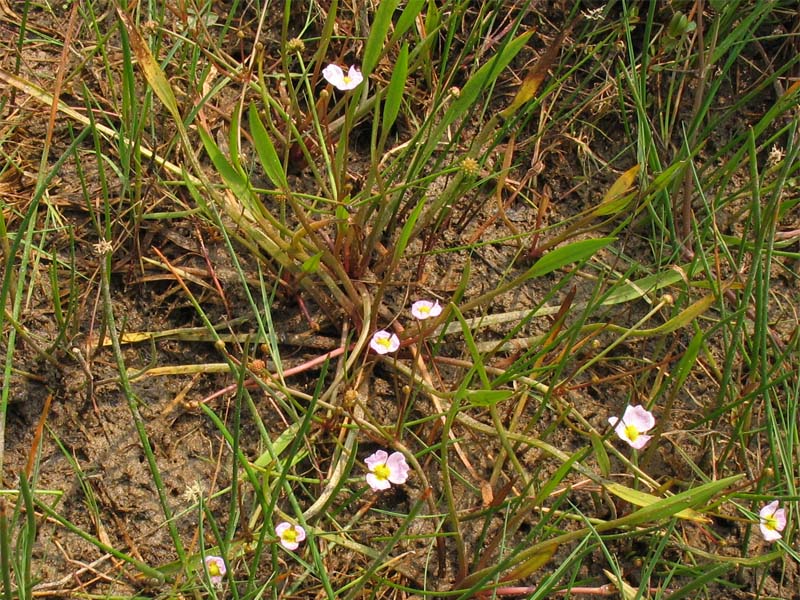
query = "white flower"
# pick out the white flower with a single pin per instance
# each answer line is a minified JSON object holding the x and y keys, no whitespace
{"x":193,"y":492}
{"x":102,"y":247}
{"x":594,"y":14}
{"x":384,"y":342}
{"x":386,"y":469}
{"x":633,"y":425}
{"x":334,"y":75}
{"x":290,"y":535}
{"x":772,"y":520}
{"x":215,"y":566}
{"x":424,"y":309}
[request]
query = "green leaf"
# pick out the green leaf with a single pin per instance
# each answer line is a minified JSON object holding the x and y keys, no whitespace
{"x":617,"y":196}
{"x":694,"y":587}
{"x":377,"y":35}
{"x":150,"y":67}
{"x":282,"y":442}
{"x":638,"y":498}
{"x":408,"y":228}
{"x":407,"y":18}
{"x":665,"y":508}
{"x":603,"y":462}
{"x":235,"y":181}
{"x":477,"y":359}
{"x":486,"y":397}
{"x":686,"y":316}
{"x":311,"y":264}
{"x":565,"y":255}
{"x":687,"y":361}
{"x":530,"y":85}
{"x":266,"y":151}
{"x":233,"y":137}
{"x":626,"y":590}
{"x":633,"y":290}
{"x":394,"y":93}
{"x":533,"y":563}
{"x":481,"y":79}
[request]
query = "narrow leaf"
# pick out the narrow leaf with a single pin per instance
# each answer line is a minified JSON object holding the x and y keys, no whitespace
{"x":266,"y":151}
{"x":686,"y":316}
{"x":407,"y":18}
{"x":600,"y":454}
{"x":565,"y":255}
{"x":626,"y":590}
{"x":638,"y":498}
{"x":282,"y":442}
{"x":233,"y":137}
{"x":482,"y":78}
{"x":633,"y":290}
{"x":377,"y":35}
{"x":687,"y":361}
{"x":536,"y":75}
{"x":533,"y":563}
{"x":617,"y":196}
{"x":394,"y":93}
{"x":487,"y":397}
{"x":151,"y":69}
{"x":235,"y":181}
{"x":311,"y":264}
{"x":408,"y":228}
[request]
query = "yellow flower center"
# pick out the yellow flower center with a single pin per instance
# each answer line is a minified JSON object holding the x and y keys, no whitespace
{"x":382,"y":472}
{"x":770,"y":522}
{"x":346,"y":79}
{"x":290,"y":535}
{"x":385,"y":342}
{"x":631,"y":432}
{"x":424,"y":310}
{"x":213,"y":569}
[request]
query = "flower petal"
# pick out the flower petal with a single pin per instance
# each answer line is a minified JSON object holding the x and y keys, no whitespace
{"x":334,"y":75}
{"x":377,"y":484}
{"x":639,"y":417}
{"x":780,"y":519}
{"x":640,"y":441}
{"x":398,"y":468}
{"x":379,"y":458}
{"x":621,"y":430}
{"x":768,"y":534}
{"x":354,"y":77}
{"x":768,"y":510}
{"x":301,"y":533}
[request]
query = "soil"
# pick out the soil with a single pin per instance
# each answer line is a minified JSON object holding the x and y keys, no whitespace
{"x":72,"y":430}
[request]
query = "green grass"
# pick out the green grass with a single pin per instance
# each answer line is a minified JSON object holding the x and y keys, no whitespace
{"x":604,"y":202}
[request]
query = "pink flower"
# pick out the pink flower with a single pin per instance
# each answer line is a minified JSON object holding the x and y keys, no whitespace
{"x":386,"y":469}
{"x":216,"y":569}
{"x":334,"y":75}
{"x":633,"y":425}
{"x":290,"y":535}
{"x":384,"y":342}
{"x":424,"y":309}
{"x":772,"y":520}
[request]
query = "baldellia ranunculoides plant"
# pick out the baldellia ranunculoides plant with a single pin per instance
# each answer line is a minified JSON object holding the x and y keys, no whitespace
{"x":325,"y":233}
